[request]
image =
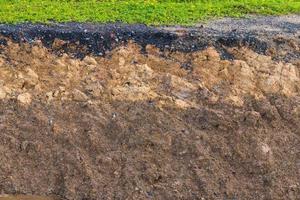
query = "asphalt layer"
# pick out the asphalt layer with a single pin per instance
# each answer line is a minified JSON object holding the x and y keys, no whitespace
{"x":257,"y":33}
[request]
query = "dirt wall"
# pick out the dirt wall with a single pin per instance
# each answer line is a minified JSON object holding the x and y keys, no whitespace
{"x":146,"y":123}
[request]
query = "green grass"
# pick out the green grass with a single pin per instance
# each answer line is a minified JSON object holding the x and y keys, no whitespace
{"x":154,"y":12}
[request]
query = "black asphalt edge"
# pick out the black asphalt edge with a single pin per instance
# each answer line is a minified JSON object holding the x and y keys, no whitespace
{"x":99,"y":39}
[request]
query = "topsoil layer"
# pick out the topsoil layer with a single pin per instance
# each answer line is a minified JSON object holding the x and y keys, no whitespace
{"x":170,"y":117}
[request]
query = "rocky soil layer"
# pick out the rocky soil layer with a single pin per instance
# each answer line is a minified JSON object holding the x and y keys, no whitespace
{"x":170,"y":117}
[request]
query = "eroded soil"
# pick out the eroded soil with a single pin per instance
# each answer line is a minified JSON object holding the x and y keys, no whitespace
{"x":148,"y":124}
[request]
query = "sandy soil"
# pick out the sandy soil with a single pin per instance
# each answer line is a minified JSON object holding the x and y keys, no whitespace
{"x":148,"y":124}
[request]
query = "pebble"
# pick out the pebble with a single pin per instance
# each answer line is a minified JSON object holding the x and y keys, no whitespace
{"x":31,"y":78}
{"x":49,"y":96}
{"x":79,"y":96}
{"x":24,"y":98}
{"x":265,"y":148}
{"x":90,"y":60}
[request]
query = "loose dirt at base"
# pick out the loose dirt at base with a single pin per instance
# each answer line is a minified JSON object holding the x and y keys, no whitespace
{"x":24,"y":197}
{"x":148,"y":124}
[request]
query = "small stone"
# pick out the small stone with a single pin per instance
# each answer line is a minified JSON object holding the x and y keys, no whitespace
{"x":296,"y":111}
{"x":79,"y":96}
{"x":56,"y":128}
{"x":31,"y":78}
{"x":235,"y":100}
{"x":252,"y":118}
{"x":57,"y":43}
{"x":62,"y":89}
{"x":90,"y":60}
{"x":265,"y":148}
{"x":38,"y":87}
{"x":116,"y":173}
{"x":24,"y":98}
{"x":182,"y":104}
{"x":20,"y":75}
{"x":94,"y":89}
{"x":212,"y":54}
{"x":55,"y":93}
{"x":31,"y":74}
{"x":122,"y":61}
{"x":49,"y":96}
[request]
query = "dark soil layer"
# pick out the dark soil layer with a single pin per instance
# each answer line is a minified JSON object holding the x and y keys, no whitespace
{"x":83,"y":39}
{"x":158,"y":115}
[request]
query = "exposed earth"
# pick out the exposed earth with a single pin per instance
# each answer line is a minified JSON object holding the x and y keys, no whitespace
{"x":133,"y":112}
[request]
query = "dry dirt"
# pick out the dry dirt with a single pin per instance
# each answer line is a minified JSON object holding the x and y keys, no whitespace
{"x":151,"y":125}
